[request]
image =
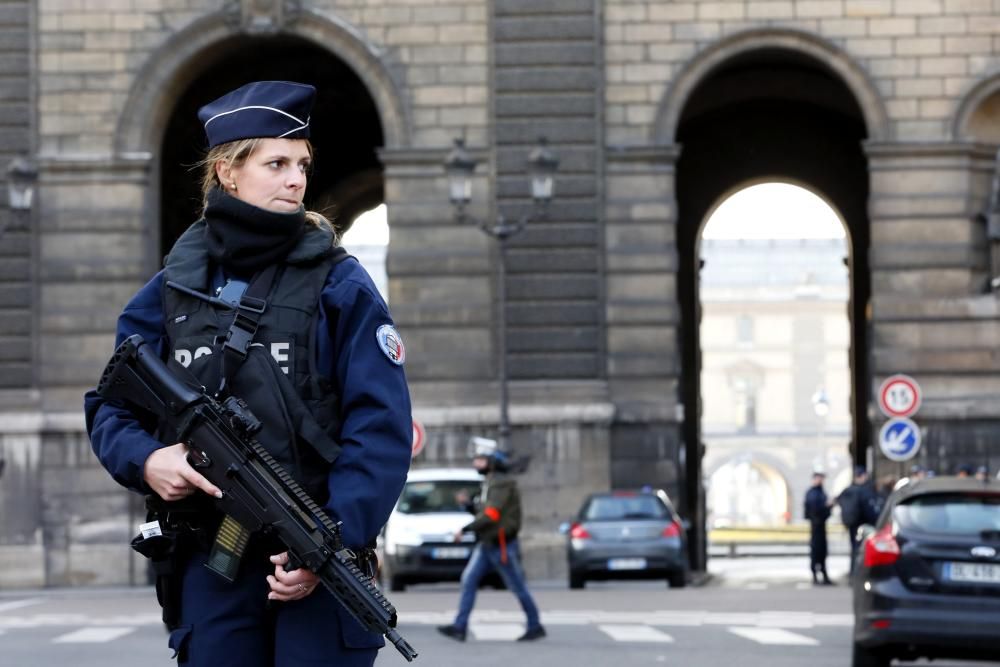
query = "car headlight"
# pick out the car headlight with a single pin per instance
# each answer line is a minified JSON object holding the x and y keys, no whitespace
{"x":397,"y":539}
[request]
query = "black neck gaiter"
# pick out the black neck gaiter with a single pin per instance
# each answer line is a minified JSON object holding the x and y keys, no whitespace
{"x":244,"y":239}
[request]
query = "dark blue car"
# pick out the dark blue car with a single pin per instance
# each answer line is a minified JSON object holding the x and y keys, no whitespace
{"x":927,"y":579}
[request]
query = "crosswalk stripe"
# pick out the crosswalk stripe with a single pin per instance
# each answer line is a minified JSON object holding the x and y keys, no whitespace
{"x":496,"y":631}
{"x":773,"y":636}
{"x":92,"y":635}
{"x":17,"y":604}
{"x":635,"y":633}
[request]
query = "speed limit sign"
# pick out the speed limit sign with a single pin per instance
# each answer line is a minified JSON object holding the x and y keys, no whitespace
{"x":899,"y":396}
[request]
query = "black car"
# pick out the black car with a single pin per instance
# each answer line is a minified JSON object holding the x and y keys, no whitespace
{"x":627,"y":534}
{"x":927,"y":579}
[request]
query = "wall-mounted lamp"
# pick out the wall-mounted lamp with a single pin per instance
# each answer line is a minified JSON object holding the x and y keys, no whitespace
{"x":542,"y":164}
{"x":541,"y":167}
{"x":21,"y":177}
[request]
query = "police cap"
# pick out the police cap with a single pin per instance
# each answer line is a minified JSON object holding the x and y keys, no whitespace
{"x":276,"y":109}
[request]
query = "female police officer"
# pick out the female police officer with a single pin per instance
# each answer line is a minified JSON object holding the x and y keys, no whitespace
{"x":323,"y":372}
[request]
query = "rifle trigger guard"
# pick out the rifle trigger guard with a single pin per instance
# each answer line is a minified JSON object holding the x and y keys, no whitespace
{"x":198,"y":459}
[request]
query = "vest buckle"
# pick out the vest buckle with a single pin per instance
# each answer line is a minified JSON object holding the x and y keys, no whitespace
{"x":252,"y":304}
{"x":238,"y":338}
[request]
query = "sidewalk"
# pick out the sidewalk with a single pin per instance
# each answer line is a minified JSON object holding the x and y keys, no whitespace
{"x":764,"y":571}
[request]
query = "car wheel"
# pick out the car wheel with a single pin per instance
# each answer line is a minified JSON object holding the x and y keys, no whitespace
{"x":576,"y":581}
{"x":867,"y":658}
{"x":677,"y":579}
{"x":397,"y":584}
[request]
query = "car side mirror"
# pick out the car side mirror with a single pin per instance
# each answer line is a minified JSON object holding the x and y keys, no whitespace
{"x":864,"y":532}
{"x":564,"y":527}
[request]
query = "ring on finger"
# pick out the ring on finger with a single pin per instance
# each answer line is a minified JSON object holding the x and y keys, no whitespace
{"x":302,"y":588}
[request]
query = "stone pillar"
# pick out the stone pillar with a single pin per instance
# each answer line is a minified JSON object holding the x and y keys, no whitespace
{"x":440,"y":279}
{"x":97,"y":247}
{"x":97,"y":241}
{"x":568,"y":449}
{"x":642,"y":315}
{"x":22,"y":562}
{"x":932,"y":314}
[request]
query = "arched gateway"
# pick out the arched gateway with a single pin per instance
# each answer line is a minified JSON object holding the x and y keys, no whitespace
{"x":358,"y":109}
{"x":778,"y":105}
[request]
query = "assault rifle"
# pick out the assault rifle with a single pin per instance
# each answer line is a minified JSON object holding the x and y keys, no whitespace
{"x":256,"y":491}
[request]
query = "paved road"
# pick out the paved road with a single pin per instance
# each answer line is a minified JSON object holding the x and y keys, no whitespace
{"x":756,"y":614}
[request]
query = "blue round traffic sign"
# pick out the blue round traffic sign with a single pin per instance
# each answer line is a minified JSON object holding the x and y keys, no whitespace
{"x":899,"y":439}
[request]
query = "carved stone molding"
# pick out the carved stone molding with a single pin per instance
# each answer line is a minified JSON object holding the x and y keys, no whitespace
{"x":261,"y":16}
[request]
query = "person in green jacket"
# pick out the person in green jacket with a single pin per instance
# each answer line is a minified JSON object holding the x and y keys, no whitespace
{"x":496,"y":525}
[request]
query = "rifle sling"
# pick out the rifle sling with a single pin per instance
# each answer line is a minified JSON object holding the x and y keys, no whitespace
{"x":241,"y":332}
{"x":231,"y":539}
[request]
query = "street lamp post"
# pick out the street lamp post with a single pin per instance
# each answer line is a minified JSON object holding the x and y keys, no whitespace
{"x":821,"y":406}
{"x":21,"y":176}
{"x":542,"y":165}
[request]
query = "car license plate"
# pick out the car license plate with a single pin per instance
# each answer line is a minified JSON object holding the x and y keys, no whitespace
{"x":627,"y":564}
{"x":449,"y":553}
{"x":976,"y":573}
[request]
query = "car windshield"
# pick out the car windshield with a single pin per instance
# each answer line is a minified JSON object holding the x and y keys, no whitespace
{"x":437,"y":496}
{"x":953,"y":514}
{"x":616,"y":508}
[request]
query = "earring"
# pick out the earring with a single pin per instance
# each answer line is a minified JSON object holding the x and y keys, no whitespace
{"x":234,"y":186}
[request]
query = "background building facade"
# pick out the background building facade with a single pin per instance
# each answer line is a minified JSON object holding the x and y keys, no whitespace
{"x":890,"y":109}
{"x":776,"y":379}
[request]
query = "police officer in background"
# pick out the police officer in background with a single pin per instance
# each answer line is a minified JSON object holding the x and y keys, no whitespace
{"x":323,"y":373}
{"x":496,"y":524}
{"x":817,"y":511}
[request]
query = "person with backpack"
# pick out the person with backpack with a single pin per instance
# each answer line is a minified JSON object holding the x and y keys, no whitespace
{"x":857,"y":504}
{"x":496,"y":525}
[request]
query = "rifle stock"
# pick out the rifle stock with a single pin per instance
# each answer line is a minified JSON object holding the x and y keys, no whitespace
{"x":257,"y":492}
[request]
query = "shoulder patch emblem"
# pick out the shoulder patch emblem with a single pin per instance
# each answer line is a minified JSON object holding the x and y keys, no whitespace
{"x":391,"y":343}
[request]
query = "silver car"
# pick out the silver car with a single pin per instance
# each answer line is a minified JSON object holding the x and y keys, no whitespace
{"x":627,"y":535}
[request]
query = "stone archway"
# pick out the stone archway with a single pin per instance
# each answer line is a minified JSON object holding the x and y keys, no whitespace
{"x":211,"y":41}
{"x":174,"y":65}
{"x":781,"y":105}
{"x":978,"y":114}
{"x":345,"y":129}
{"x":809,"y":45}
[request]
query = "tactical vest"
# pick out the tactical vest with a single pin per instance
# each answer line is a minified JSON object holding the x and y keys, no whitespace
{"x":298,"y":408}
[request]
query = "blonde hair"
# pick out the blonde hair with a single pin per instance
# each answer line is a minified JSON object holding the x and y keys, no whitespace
{"x":236,"y":153}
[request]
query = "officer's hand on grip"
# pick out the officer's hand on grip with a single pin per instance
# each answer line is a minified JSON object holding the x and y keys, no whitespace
{"x":291,"y":585}
{"x":171,"y":477}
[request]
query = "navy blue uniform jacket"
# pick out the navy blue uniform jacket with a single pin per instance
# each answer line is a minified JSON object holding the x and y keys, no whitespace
{"x":376,"y":432}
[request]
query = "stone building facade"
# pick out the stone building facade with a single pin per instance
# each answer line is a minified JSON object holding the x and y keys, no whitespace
{"x":888,"y":108}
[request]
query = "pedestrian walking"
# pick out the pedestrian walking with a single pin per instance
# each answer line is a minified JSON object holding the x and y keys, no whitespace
{"x":817,"y":511}
{"x":321,"y":368}
{"x":496,"y":525}
{"x":857,"y":507}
